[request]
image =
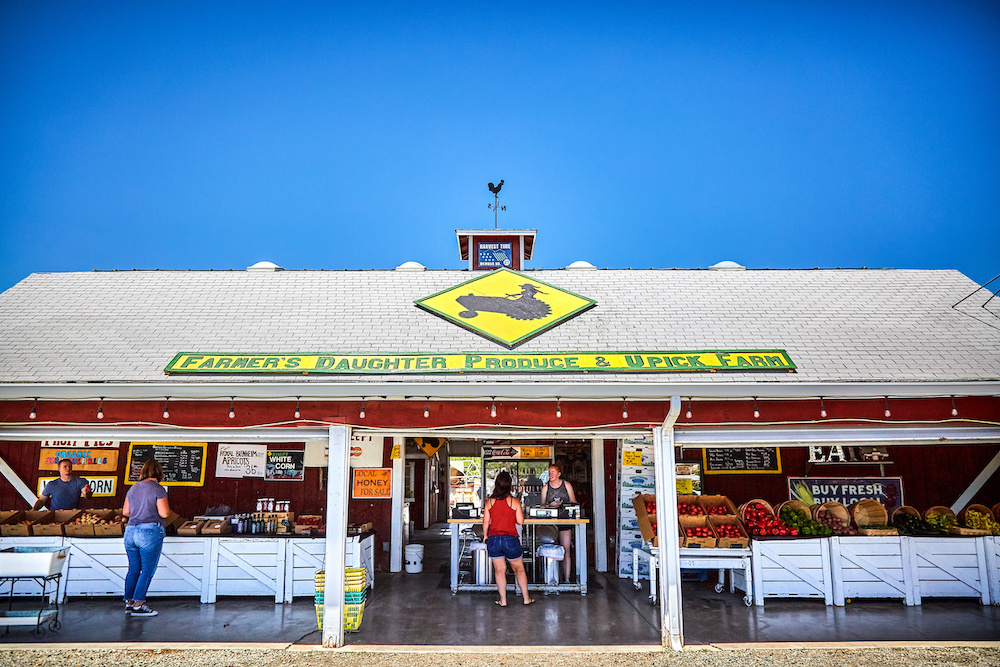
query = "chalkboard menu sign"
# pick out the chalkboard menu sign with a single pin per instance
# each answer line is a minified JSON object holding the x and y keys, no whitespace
{"x":745,"y":461}
{"x":183,"y":463}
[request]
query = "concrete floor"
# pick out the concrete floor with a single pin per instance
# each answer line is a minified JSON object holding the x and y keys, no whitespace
{"x":420,"y":609}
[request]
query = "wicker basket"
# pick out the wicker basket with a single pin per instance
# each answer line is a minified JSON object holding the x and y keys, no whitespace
{"x":905,"y":509}
{"x":938,"y":509}
{"x":869,"y":512}
{"x":982,"y":509}
{"x":744,"y":506}
{"x":795,"y":505}
{"x":836,"y":509}
{"x":996,"y":512}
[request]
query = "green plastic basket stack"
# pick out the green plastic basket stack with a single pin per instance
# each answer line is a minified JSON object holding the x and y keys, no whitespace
{"x":355,"y":592}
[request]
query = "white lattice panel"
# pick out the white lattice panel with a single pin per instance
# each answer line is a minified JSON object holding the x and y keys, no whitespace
{"x":871,"y":567}
{"x":949,"y":567}
{"x":792,"y":569}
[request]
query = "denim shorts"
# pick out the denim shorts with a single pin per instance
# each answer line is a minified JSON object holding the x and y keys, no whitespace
{"x":504,"y":546}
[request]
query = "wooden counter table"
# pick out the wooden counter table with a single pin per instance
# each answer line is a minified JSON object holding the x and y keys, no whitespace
{"x":580,"y":546}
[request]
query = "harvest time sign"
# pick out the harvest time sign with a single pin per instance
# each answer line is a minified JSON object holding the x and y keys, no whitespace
{"x":505,"y":362}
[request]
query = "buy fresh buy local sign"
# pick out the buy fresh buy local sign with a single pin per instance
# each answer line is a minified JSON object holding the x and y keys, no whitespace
{"x":506,"y":362}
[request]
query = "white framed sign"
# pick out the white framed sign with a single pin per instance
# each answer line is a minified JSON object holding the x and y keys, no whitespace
{"x":237,"y":461}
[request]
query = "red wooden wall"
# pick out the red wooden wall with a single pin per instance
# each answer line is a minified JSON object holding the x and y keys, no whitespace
{"x":306,"y":497}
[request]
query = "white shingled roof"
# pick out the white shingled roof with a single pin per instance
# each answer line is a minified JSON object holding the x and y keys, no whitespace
{"x":837,"y":325}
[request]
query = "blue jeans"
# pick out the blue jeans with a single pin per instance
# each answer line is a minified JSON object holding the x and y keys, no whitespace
{"x":143,"y":544}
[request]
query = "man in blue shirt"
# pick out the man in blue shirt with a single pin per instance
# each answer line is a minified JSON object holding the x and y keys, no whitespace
{"x":64,"y":493}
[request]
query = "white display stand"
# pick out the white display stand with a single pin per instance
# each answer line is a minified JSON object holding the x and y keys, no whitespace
{"x":734,"y":560}
{"x":792,"y":569}
{"x":206,"y":567}
{"x":991,"y":545}
{"x":949,"y":566}
{"x":871,"y":567}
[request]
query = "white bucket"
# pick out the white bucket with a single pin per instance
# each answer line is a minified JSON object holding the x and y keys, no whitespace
{"x":414,"y":555}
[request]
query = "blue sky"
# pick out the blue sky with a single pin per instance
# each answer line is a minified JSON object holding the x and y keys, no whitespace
{"x":326,"y":136}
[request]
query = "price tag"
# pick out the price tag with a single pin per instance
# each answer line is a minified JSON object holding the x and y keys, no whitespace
{"x":632,"y":458}
{"x":395,"y":452}
{"x":685,"y":486}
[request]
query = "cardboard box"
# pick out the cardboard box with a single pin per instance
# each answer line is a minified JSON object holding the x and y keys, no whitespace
{"x":730,"y":542}
{"x":647,"y":522}
{"x":173,"y":522}
{"x":90,"y":529}
{"x":686,"y":522}
{"x":216,"y":527}
{"x":56,"y":524}
{"x":11,"y":516}
{"x":303,"y":530}
{"x":714,"y":501}
{"x":36,"y":517}
{"x":190,"y":528}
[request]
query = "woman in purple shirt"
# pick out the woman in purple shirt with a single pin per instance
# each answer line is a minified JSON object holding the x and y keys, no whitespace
{"x":146,"y":507}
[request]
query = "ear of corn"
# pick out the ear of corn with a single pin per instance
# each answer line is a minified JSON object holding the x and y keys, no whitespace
{"x":801,"y":492}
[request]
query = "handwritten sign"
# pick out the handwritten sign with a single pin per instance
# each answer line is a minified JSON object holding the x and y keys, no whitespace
{"x":238,"y":461}
{"x":632,"y":457}
{"x":81,"y":444}
{"x":743,"y":461}
{"x":372,"y":483}
{"x":183,"y":464}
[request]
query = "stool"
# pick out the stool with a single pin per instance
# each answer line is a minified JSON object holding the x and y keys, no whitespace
{"x":551,"y":555}
{"x":482,"y":566}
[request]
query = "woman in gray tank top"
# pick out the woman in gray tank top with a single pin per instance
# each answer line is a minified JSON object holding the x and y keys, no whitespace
{"x":555,"y":493}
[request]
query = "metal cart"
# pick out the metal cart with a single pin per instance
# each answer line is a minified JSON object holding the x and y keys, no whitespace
{"x":44,"y":566}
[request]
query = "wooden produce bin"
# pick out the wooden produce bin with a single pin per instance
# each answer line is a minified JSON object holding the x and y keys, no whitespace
{"x":647,"y":521}
{"x":871,"y":567}
{"x":953,"y":567}
{"x":741,"y":542}
{"x":792,"y":569}
{"x":686,"y":522}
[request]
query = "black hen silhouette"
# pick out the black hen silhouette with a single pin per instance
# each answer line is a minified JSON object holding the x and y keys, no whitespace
{"x":495,"y":189}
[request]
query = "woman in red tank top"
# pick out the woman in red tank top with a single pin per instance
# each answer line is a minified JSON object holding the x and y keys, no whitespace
{"x":502,"y":516}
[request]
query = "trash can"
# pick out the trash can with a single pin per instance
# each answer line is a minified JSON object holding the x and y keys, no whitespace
{"x":414,"y":555}
{"x":482,"y":566}
{"x":551,"y":556}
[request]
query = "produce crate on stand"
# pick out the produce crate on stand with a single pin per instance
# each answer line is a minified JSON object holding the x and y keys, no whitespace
{"x":709,"y":503}
{"x":871,"y":518}
{"x":792,"y":568}
{"x":871,"y":567}
{"x":741,"y":542}
{"x":696,"y":523}
{"x":951,"y":567}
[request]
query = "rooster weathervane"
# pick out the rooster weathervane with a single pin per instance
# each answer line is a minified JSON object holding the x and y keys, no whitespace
{"x":495,"y":206}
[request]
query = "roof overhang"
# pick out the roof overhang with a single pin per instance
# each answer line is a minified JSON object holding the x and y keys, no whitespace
{"x":869,"y":436}
{"x":472,"y":389}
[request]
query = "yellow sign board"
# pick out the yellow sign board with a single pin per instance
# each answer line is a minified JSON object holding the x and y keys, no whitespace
{"x":504,"y":362}
{"x":101,"y":487}
{"x":506,"y":306}
{"x":685,"y":486}
{"x":83,"y":459}
{"x":631,"y":458}
{"x":394,"y":454}
{"x":536,"y":452}
{"x":372,"y":483}
{"x":429,"y":446}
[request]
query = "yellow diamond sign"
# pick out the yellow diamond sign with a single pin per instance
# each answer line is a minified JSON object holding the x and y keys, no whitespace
{"x":506,"y":306}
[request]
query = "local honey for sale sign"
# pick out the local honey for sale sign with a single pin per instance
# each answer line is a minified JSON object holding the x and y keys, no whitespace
{"x":372,"y":483}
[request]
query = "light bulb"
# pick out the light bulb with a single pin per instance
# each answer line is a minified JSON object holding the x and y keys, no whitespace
{"x":624,"y":409}
{"x":298,"y":413}
{"x":362,"y":413}
{"x":558,"y":409}
{"x":166,"y":410}
{"x":427,"y":411}
{"x":33,"y":414}
{"x":688,"y":413}
{"x":822,"y":408}
{"x":493,"y":408}
{"x":887,"y":413}
{"x":100,"y":409}
{"x":232,"y":412}
{"x":954,"y":410}
{"x":756,"y":412}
